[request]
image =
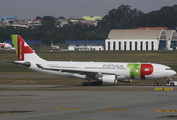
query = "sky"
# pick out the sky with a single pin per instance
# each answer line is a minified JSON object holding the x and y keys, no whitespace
{"x":30,"y":9}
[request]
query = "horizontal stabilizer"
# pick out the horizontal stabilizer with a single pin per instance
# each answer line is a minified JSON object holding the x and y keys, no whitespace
{"x":24,"y":63}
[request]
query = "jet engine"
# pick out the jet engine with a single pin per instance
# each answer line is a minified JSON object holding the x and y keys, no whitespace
{"x":109,"y":79}
{"x":125,"y":80}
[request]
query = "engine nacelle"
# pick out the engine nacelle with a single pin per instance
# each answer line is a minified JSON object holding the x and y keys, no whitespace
{"x":125,"y":80}
{"x":109,"y":79}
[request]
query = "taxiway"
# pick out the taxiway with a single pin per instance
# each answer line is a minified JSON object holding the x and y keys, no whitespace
{"x":86,"y":105}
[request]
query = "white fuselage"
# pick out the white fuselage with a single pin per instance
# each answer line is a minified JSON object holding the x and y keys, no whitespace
{"x":55,"y":47}
{"x":122,"y":70}
{"x":5,"y":46}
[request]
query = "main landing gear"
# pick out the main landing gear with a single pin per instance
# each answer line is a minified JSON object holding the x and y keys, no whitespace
{"x":156,"y":82}
{"x":95,"y":83}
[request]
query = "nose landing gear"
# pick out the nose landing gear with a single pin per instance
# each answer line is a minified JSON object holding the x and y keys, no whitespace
{"x":156,"y":82}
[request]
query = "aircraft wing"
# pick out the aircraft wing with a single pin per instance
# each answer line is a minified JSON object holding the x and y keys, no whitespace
{"x":83,"y":72}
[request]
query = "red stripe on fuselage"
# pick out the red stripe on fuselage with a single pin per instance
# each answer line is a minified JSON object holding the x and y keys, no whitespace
{"x":22,"y":49}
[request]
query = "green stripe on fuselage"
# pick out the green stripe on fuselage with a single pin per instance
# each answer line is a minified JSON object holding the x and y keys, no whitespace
{"x":15,"y":40}
{"x":135,"y":70}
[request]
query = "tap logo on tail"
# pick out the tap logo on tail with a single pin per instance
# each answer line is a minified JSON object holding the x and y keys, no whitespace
{"x":21,"y":47}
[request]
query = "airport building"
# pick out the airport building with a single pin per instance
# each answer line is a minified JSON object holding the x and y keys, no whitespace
{"x":92,"y":18}
{"x":85,"y":44}
{"x":141,"y":39}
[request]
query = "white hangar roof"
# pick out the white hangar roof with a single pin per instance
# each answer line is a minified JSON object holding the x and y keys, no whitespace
{"x":171,"y":34}
{"x":141,"y":34}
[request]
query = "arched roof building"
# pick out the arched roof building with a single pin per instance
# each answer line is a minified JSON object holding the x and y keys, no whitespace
{"x":136,"y":34}
{"x":140,"y":39}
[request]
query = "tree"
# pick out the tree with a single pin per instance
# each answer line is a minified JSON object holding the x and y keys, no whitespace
{"x":121,"y":18}
{"x":48,"y":22}
{"x":38,"y":18}
{"x":165,"y":17}
{"x":61,"y":17}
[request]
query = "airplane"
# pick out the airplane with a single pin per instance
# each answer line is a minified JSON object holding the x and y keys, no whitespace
{"x":54,"y":47}
{"x":80,"y":47}
{"x":101,"y":72}
{"x":6,"y":46}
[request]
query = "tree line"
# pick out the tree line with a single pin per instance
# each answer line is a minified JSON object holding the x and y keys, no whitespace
{"x":121,"y":18}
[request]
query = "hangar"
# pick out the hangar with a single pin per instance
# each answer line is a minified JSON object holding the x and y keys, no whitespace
{"x":141,"y":39}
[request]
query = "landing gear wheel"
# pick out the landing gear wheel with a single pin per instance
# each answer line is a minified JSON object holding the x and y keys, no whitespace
{"x":172,"y":84}
{"x":156,"y":84}
{"x":93,"y":83}
{"x":99,"y":83}
{"x":85,"y":84}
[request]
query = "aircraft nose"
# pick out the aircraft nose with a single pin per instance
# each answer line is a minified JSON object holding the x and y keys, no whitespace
{"x":174,"y":72}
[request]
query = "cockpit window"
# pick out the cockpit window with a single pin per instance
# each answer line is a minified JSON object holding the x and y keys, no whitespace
{"x":168,"y":69}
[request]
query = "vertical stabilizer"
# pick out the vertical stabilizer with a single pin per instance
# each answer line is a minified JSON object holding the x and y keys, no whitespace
{"x":51,"y":43}
{"x":23,"y":50}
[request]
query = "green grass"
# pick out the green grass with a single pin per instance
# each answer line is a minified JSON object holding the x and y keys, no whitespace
{"x":102,"y":56}
{"x":97,"y":56}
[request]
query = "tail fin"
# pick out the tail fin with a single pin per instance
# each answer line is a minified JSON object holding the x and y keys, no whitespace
{"x":23,"y":50}
{"x":51,"y":43}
